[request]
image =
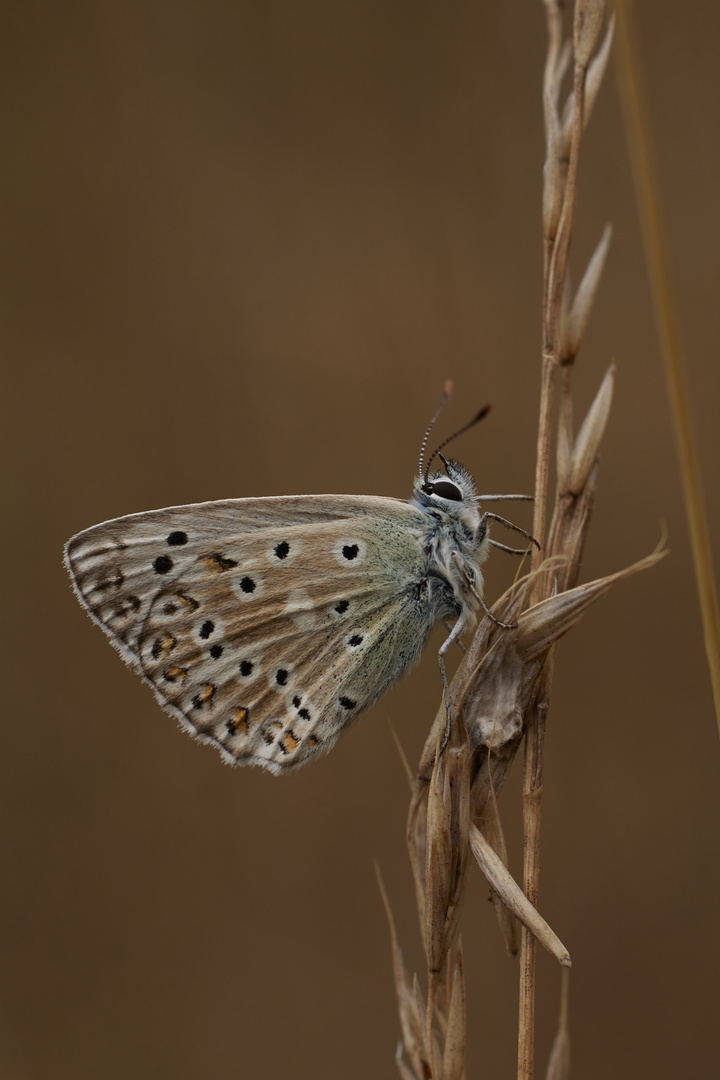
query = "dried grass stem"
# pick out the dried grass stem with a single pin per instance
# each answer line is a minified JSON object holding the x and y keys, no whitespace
{"x":500,"y":694}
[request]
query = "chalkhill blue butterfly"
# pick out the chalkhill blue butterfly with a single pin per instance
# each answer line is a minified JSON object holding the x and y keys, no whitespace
{"x":266,"y":625}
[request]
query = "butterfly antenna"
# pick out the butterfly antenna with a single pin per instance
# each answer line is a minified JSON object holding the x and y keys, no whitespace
{"x":446,"y":397}
{"x":436,"y":453}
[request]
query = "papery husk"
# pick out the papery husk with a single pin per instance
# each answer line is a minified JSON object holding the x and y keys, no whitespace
{"x":504,"y":884}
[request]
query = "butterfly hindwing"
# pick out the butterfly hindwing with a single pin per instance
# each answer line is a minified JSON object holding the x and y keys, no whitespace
{"x":264,"y":625}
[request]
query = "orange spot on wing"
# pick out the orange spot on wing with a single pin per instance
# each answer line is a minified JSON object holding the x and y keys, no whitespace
{"x":204,"y":696}
{"x":239,"y":722}
{"x":163,"y":645}
{"x":290,"y":742}
{"x":217,"y":563}
{"x":174,"y":674}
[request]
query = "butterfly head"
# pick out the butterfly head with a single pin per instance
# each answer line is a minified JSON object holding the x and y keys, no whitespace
{"x":454,"y":485}
{"x":450,"y":496}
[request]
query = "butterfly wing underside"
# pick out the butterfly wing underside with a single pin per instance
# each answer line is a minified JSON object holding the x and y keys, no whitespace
{"x":263,"y":625}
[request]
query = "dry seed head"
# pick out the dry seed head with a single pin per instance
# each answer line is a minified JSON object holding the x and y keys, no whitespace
{"x":593,"y":82}
{"x":564,"y":441}
{"x":586,"y":29}
{"x":438,"y":864}
{"x":566,"y":124}
{"x":565,"y":306}
{"x":552,"y":180}
{"x":590,"y":435}
{"x":413,"y":1028}
{"x":413,"y":1041}
{"x":577,"y":319}
{"x":495,"y":682}
{"x":430,"y":1048}
{"x":419,"y":1002}
{"x":596,"y":70}
{"x":512,"y":895}
{"x":561,"y":68}
{"x":543,"y":624}
{"x":456,"y":1034}
{"x":495,"y":701}
{"x":448,"y":817}
{"x":491,"y":827}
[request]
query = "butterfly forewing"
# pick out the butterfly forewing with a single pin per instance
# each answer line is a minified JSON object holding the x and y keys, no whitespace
{"x":264,"y":625}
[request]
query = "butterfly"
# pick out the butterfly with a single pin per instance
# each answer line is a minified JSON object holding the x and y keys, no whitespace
{"x":266,"y":625}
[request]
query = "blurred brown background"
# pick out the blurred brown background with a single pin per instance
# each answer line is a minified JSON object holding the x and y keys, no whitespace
{"x":245,"y":244}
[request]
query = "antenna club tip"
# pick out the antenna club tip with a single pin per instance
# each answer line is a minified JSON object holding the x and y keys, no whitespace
{"x":449,"y":386}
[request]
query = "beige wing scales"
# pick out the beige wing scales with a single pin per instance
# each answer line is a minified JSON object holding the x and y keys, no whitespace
{"x":263,"y":625}
{"x":118,"y":567}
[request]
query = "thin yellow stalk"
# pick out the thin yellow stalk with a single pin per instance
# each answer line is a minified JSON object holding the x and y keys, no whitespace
{"x":637,"y":127}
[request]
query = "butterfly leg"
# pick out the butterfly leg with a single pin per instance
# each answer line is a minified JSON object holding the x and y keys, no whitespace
{"x":470,"y":582}
{"x":510,"y":551}
{"x":448,"y":627}
{"x":508,"y":525}
{"x":488,"y":612}
{"x":455,"y":634}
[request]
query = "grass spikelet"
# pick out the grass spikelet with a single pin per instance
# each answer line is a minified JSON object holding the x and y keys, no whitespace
{"x":500,"y":695}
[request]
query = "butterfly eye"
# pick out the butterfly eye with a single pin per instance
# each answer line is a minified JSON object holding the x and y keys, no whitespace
{"x":446,"y":490}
